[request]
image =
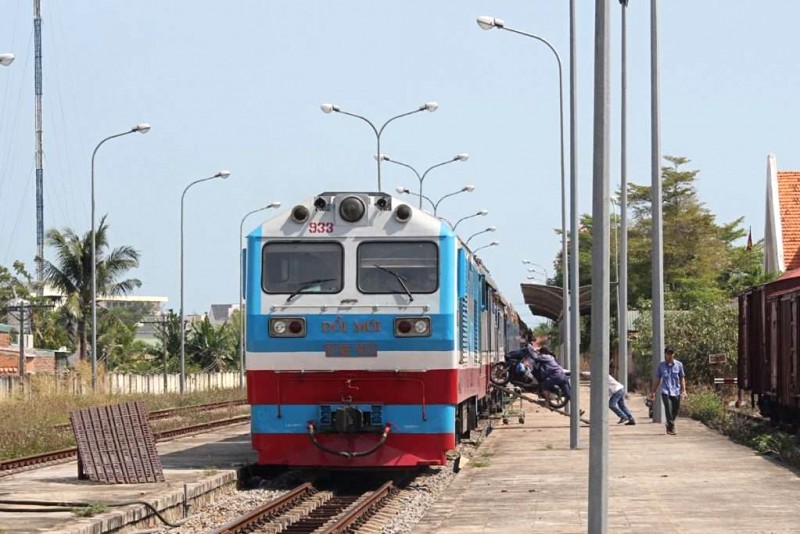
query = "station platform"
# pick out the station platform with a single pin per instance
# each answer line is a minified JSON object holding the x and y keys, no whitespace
{"x":525,"y":478}
{"x":203,"y":466}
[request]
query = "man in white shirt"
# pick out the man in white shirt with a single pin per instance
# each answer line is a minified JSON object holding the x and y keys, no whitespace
{"x":616,"y":400}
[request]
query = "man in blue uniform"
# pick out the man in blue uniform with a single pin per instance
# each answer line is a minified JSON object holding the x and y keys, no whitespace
{"x":670,"y":381}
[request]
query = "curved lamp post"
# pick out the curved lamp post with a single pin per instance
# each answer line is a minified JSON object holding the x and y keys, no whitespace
{"x":427,"y":106}
{"x":221,"y":174}
{"x":400,"y":189}
{"x":421,"y":177}
{"x":142,"y":128}
{"x":479,"y":213}
{"x":569,"y":262}
{"x":488,"y":229}
{"x":435,"y":205}
{"x":242,"y":314}
{"x":6,"y":59}
{"x":529,"y":262}
{"x":492,"y":244}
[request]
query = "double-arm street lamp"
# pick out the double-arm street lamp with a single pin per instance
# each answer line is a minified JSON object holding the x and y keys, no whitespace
{"x":221,"y":174}
{"x":242,"y":313}
{"x":492,"y":244}
{"x":421,"y":177}
{"x":6,"y":59}
{"x":487,"y":229}
{"x":435,"y":205}
{"x":427,"y":106}
{"x":479,"y":213}
{"x":529,"y":262}
{"x":142,"y":128}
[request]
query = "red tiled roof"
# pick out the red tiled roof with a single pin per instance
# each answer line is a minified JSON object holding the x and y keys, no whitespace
{"x":788,"y":275}
{"x":789,"y":199}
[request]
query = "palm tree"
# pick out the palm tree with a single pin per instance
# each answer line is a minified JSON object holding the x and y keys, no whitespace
{"x":72,"y":272}
{"x":213,"y":348}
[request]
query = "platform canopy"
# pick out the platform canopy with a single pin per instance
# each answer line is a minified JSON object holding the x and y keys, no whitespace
{"x":547,"y":301}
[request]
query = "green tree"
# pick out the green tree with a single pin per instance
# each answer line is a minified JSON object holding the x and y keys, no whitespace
{"x":695,"y":334}
{"x":71,"y":274}
{"x":212,"y":348}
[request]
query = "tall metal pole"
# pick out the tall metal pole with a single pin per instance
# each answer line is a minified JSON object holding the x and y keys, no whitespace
{"x":622,"y":288}
{"x":658,"y":229}
{"x":94,"y":262}
{"x":575,"y":286}
{"x":21,"y":340}
{"x":221,"y":174}
{"x":165,"y":323}
{"x":598,"y":433}
{"x":37,"y":69}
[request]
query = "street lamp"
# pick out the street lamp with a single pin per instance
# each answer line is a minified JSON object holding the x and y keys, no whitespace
{"x":400,"y":189}
{"x":478,"y":213}
{"x":435,"y":205}
{"x":488,"y":229}
{"x":221,"y":174}
{"x":492,"y":244}
{"x":241,"y":289}
{"x":421,"y":178}
{"x":568,"y":264}
{"x":6,"y":59}
{"x":529,"y":262}
{"x":427,"y":106}
{"x":142,"y":128}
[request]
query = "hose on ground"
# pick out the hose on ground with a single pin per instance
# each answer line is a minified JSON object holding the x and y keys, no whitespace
{"x":70,"y":506}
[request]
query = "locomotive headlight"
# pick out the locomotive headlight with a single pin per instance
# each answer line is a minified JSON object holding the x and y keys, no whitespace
{"x":352,"y":209}
{"x":412,"y":327}
{"x":287,"y":327}
{"x":279,"y":327}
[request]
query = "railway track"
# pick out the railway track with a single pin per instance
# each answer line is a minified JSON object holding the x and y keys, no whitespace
{"x":306,"y":509}
{"x":10,"y":467}
{"x":175,"y":412}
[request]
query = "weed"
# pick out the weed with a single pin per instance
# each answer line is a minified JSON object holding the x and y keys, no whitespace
{"x":480,"y":462}
{"x":210,"y":471}
{"x":91,"y":510}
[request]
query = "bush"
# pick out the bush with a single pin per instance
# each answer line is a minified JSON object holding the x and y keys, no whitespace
{"x":705,"y":406}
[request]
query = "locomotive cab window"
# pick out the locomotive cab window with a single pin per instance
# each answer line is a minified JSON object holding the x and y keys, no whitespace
{"x":393,"y":267}
{"x":300,"y":267}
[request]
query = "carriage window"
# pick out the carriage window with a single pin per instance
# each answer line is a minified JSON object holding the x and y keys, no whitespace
{"x":383,"y":267}
{"x":308,"y":267}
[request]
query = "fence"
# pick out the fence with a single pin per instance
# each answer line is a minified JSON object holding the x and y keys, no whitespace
{"x":113,"y":383}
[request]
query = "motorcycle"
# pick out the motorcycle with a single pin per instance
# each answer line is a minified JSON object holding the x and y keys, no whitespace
{"x":505,"y":372}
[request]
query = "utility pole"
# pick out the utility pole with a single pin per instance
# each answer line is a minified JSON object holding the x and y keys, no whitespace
{"x":575,"y":285}
{"x":658,"y":224}
{"x":598,"y":431}
{"x":622,"y":277}
{"x":37,"y":73}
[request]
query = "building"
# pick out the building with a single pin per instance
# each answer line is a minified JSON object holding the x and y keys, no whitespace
{"x":222,"y":313}
{"x":36,"y":360}
{"x":782,"y":228}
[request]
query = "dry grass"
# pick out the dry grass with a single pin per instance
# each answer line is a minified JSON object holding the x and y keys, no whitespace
{"x":27,"y":426}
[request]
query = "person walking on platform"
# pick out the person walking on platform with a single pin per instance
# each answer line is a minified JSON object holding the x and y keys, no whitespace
{"x":616,"y":400}
{"x":670,"y":381}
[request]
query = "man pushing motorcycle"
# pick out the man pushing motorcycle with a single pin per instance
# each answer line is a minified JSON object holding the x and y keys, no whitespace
{"x":552,"y":373}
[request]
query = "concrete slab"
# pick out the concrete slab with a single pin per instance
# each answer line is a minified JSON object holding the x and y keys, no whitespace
{"x":201,"y":465}
{"x":526,"y":479}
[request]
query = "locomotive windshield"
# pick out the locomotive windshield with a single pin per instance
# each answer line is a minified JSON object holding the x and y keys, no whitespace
{"x":302,"y":267}
{"x":398,"y":267}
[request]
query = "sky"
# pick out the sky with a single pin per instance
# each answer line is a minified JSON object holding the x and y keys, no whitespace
{"x":237,"y":85}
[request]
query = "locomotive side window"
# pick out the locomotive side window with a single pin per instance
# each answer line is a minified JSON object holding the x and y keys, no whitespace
{"x":393,"y":267}
{"x":302,"y":267}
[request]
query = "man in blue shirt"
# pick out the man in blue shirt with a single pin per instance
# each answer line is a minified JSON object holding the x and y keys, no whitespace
{"x":672,"y":381}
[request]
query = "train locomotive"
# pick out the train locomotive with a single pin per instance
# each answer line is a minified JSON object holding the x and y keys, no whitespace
{"x":370,"y":330}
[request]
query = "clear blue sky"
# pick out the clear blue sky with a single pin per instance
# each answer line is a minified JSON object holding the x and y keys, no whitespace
{"x":238,"y":85}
